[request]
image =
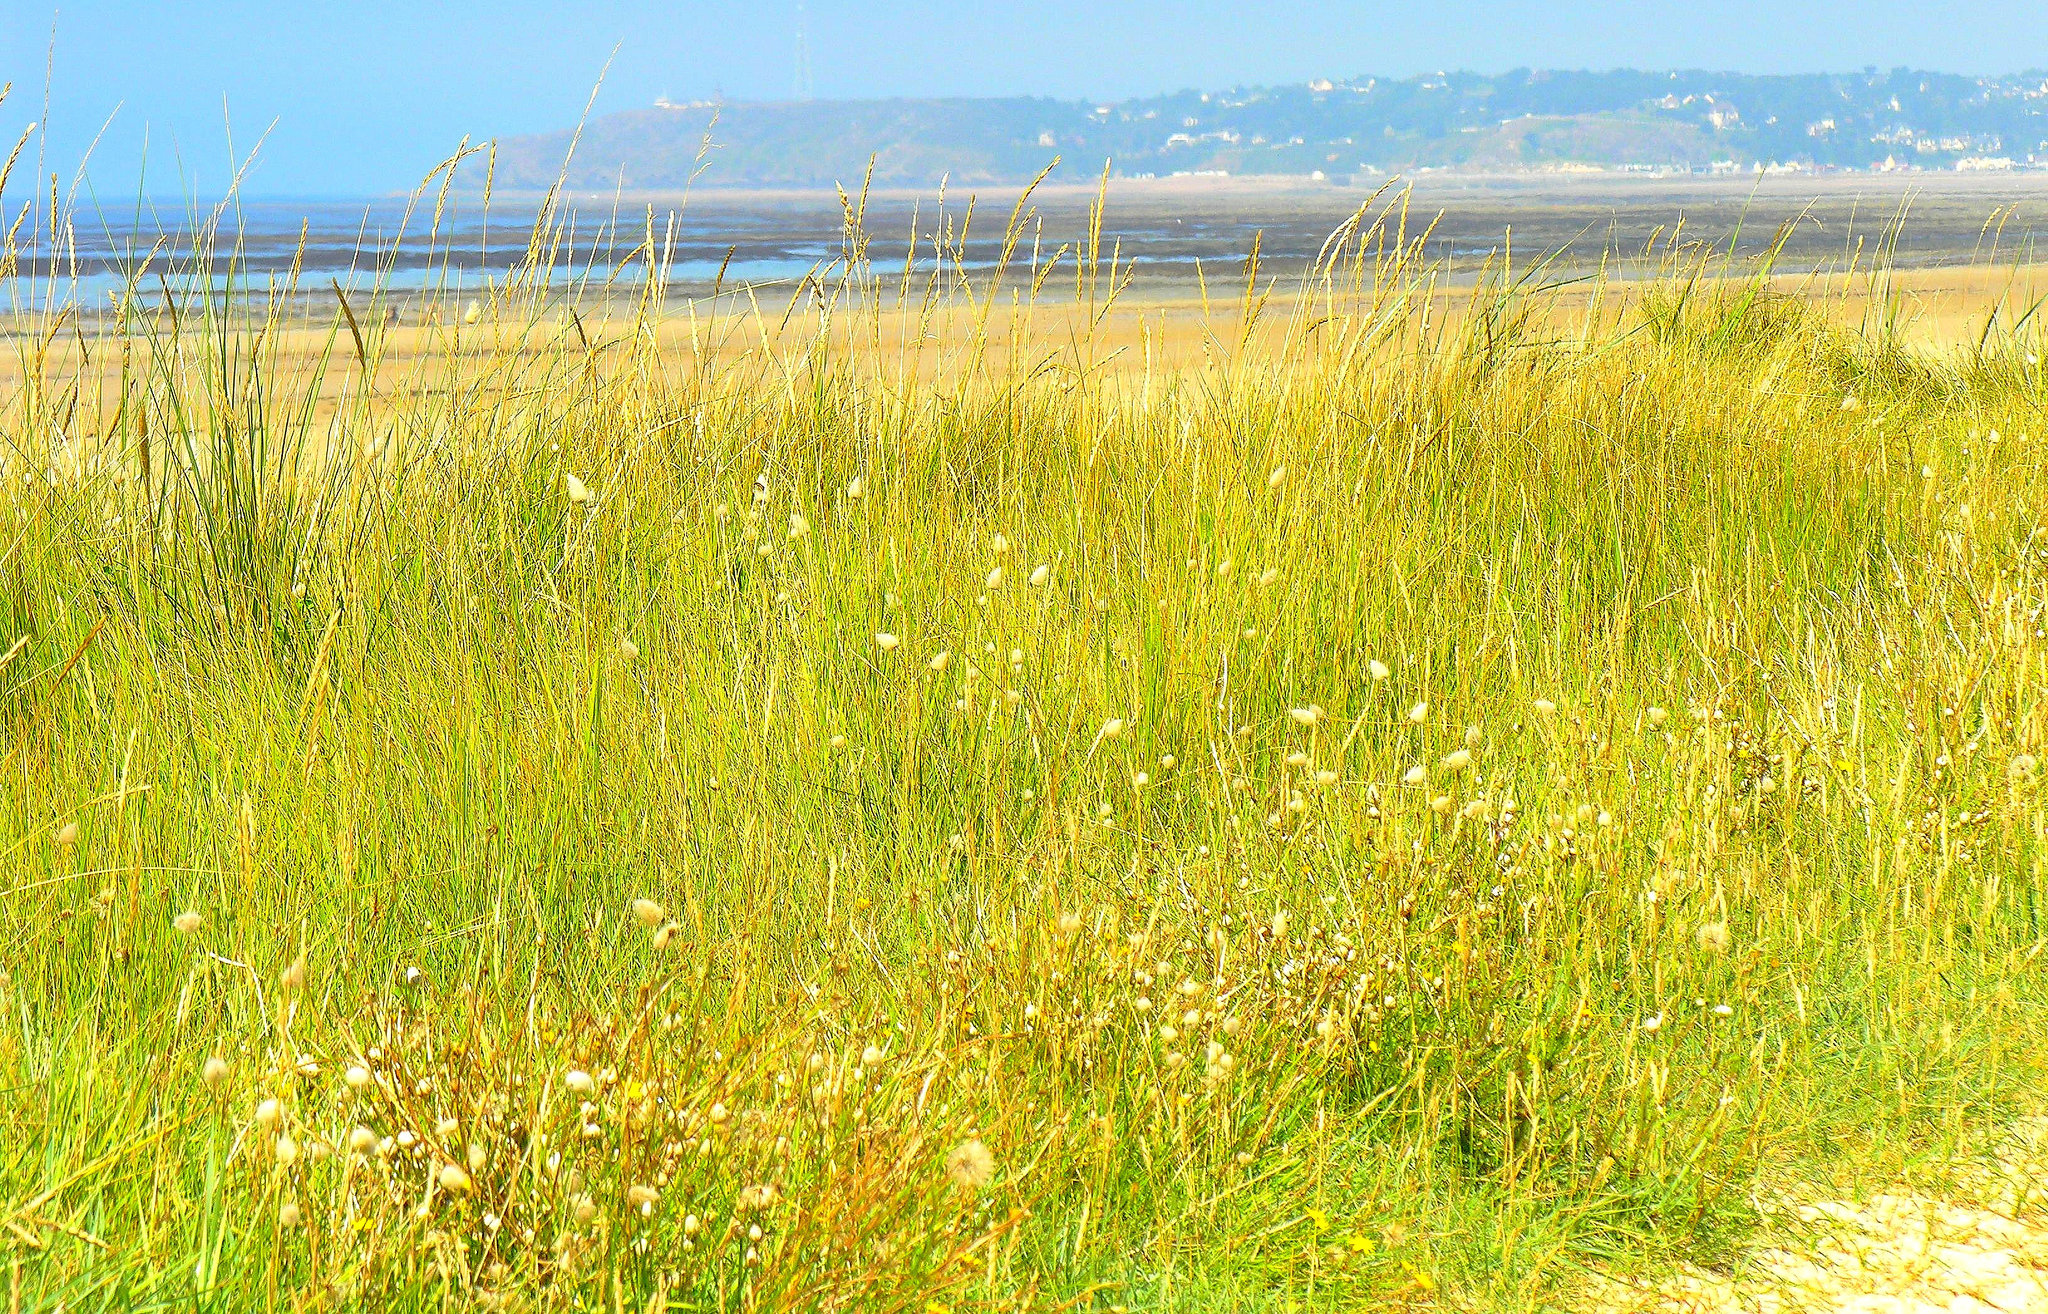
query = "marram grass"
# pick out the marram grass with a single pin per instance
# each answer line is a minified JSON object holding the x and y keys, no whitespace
{"x":1401,"y":814}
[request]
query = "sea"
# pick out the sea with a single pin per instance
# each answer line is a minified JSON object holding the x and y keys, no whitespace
{"x":1169,"y":236}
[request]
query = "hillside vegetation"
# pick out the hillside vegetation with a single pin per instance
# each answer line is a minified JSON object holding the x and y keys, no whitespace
{"x":835,"y":820}
{"x":1346,"y":129}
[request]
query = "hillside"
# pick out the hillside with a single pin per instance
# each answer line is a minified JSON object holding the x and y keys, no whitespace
{"x":1362,"y":127}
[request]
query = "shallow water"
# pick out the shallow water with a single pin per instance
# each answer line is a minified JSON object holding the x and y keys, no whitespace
{"x":1176,"y":238}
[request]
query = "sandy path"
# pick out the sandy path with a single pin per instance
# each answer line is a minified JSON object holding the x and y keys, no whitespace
{"x":1889,"y":1254}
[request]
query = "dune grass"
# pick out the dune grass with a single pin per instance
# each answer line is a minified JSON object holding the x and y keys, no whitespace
{"x":895,"y":823}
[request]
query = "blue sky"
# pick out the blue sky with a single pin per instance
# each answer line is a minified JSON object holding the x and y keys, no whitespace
{"x":364,"y":97}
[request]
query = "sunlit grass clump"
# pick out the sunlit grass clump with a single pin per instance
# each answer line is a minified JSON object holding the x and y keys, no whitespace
{"x":857,"y":809}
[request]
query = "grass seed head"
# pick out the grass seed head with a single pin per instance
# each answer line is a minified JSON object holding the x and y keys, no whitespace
{"x":188,"y":922}
{"x":649,"y":912}
{"x":970,"y":1165}
{"x":579,"y":492}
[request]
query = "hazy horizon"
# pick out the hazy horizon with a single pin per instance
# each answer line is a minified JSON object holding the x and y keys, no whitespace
{"x":364,"y":99}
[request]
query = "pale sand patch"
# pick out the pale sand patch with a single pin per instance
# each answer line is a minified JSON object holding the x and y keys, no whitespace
{"x":1905,"y":1253}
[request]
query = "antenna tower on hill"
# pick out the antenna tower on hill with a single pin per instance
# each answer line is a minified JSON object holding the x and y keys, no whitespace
{"x":803,"y":55}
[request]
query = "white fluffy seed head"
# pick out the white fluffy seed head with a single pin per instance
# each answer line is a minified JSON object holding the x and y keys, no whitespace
{"x":1306,"y":715}
{"x":578,"y":1080}
{"x":1418,"y":714}
{"x":357,"y":1076}
{"x":886,"y":642}
{"x":1040,"y":576}
{"x":185,"y":923}
{"x":579,"y":492}
{"x":1416,"y":775}
{"x":1278,"y":477}
{"x":1377,"y":669}
{"x":649,"y":912}
{"x":214,"y":1071}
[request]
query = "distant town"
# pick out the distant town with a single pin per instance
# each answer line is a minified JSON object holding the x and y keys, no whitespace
{"x":1332,"y":130}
